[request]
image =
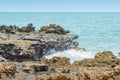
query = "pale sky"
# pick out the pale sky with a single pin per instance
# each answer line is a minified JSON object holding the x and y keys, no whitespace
{"x":59,"y":5}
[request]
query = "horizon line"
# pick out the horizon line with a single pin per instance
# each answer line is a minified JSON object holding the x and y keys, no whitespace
{"x":59,"y":12}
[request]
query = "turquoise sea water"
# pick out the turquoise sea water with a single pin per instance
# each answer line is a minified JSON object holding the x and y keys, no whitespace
{"x":97,"y":31}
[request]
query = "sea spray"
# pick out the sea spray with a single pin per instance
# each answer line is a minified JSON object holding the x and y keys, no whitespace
{"x":72,"y":54}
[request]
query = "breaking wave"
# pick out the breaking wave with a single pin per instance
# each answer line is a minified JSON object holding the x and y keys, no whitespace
{"x":72,"y":54}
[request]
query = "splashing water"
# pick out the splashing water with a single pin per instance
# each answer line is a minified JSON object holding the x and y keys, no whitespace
{"x":72,"y":54}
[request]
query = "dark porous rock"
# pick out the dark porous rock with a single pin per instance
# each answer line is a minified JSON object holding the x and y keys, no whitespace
{"x":97,"y":63}
{"x":58,"y":76}
{"x":29,"y":70}
{"x":53,"y":28}
{"x":96,"y":73}
{"x":13,"y":29}
{"x":7,"y":71}
{"x":63,"y":70}
{"x":28,"y":28}
{"x":105,"y":55}
{"x":60,"y":61}
{"x":35,"y":67}
{"x":10,"y":70}
{"x":86,"y":73}
{"x":40,"y":50}
{"x":6,"y":50}
{"x":44,"y":60}
{"x":16,"y":49}
{"x":102,"y":59}
{"x":28,"y":43}
{"x":8,"y":29}
{"x":42,"y":67}
{"x":48,"y":42}
{"x":51,"y":70}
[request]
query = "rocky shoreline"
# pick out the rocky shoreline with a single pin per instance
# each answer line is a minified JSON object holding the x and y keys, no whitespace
{"x":22,"y":53}
{"x":26,"y":41}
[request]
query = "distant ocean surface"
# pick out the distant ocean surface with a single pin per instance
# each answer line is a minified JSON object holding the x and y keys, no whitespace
{"x":97,"y":31}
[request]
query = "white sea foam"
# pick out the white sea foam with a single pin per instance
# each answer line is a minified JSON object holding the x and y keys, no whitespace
{"x":74,"y":55}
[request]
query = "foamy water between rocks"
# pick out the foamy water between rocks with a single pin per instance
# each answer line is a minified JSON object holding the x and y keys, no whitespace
{"x":72,"y":54}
